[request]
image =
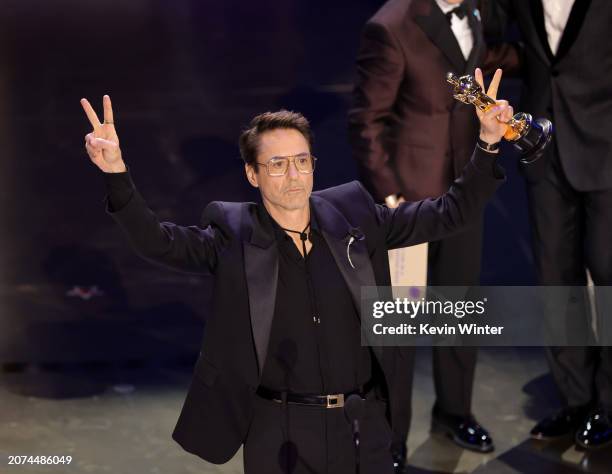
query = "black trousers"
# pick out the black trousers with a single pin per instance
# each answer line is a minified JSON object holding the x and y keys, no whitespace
{"x":302,"y":439}
{"x":572,"y":231}
{"x":454,"y":261}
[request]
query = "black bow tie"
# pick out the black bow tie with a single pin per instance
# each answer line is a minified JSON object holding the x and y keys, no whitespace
{"x":460,"y":11}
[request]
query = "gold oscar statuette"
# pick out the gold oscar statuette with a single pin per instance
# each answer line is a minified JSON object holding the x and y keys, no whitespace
{"x":530,"y":136}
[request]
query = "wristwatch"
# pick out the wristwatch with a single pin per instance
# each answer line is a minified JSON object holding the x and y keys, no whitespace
{"x":489,"y":147}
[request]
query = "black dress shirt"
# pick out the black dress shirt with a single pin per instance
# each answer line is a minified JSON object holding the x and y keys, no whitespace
{"x":315,"y":345}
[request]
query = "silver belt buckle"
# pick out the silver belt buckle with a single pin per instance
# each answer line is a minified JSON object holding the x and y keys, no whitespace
{"x":335,"y":401}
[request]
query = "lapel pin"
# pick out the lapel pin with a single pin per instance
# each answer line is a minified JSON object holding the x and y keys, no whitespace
{"x":355,"y":234}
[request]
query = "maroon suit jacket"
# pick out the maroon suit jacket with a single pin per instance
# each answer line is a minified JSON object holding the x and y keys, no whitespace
{"x":408,"y":134}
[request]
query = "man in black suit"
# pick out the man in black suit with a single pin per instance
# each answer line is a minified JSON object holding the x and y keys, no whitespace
{"x":282,"y":348}
{"x":566,"y":68}
{"x":411,"y":139}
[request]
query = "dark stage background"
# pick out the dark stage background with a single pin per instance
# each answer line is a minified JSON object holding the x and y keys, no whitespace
{"x":185,"y":77}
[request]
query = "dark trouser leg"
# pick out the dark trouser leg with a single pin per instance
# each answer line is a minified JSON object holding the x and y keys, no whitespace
{"x":401,"y":397}
{"x":603,"y":379}
{"x":269,"y":450}
{"x":375,"y":441}
{"x":319,"y":440}
{"x":455,"y":262}
{"x":598,"y":249}
{"x":454,"y":369}
{"x":557,"y":220}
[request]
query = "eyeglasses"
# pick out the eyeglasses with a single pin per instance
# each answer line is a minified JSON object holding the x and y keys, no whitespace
{"x":278,"y":165}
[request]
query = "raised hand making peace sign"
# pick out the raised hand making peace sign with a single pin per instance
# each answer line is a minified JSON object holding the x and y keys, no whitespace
{"x":493,"y":121}
{"x":102,"y":144}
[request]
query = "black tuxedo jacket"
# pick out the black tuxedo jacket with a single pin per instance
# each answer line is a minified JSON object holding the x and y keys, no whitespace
{"x":238,"y":248}
{"x":573,"y":88}
{"x":408,"y":134}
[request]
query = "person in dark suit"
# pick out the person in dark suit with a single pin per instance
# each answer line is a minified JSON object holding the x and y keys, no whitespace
{"x":566,"y":69}
{"x":282,"y":348}
{"x":411,"y":139}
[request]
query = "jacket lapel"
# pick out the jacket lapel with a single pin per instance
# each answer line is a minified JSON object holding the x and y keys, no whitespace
{"x":261,"y":269}
{"x":435,"y":25}
{"x":537,"y":14}
{"x":352,"y":260}
{"x":574,"y":24}
{"x":479,"y":45}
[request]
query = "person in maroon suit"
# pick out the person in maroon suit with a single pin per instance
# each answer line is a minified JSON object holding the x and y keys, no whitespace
{"x":411,"y":139}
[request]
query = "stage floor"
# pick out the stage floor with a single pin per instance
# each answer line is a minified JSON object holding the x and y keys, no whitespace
{"x":119,"y":418}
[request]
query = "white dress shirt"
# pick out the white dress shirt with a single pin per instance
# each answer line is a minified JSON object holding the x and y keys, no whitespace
{"x":461,"y":28}
{"x":556,"y":13}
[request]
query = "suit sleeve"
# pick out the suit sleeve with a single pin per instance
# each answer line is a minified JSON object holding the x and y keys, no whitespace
{"x":429,"y":220}
{"x":189,"y":249}
{"x":380,"y":69}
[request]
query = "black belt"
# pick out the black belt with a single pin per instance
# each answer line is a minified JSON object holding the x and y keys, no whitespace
{"x":335,"y":400}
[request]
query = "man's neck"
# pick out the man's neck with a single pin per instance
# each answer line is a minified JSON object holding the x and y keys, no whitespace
{"x":294,"y":219}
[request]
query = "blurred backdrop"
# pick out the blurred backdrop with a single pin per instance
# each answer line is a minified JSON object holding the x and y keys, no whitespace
{"x":185,"y":77}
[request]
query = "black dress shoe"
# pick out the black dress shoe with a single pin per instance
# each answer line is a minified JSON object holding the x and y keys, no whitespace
{"x":464,"y":431}
{"x":399,"y":460}
{"x":563,"y":423}
{"x":596,"y":430}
